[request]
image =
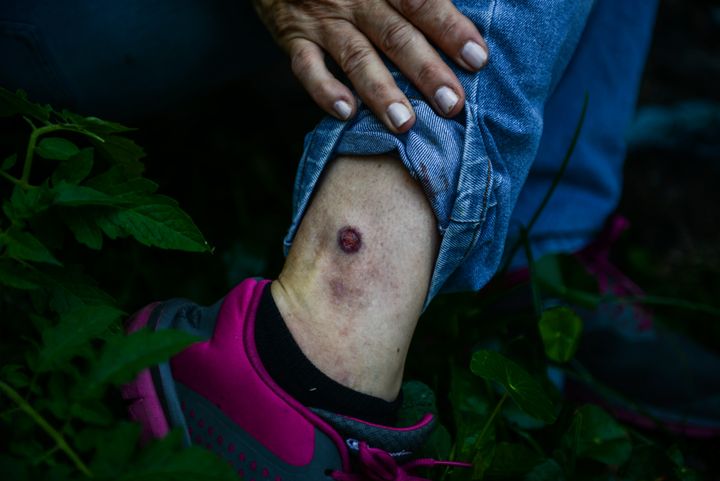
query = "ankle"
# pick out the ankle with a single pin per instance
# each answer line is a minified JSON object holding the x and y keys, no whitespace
{"x":339,"y":344}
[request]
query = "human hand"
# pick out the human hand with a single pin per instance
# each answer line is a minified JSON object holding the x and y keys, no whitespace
{"x":351,"y":30}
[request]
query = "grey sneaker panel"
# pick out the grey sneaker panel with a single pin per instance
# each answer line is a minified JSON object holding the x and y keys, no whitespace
{"x":208,"y":426}
{"x":399,"y":443}
{"x":189,"y":317}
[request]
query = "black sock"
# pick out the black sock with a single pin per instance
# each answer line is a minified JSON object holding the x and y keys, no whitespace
{"x":291,"y":370}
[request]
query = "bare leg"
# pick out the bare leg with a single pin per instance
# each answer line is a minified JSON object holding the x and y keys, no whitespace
{"x":354,"y":283}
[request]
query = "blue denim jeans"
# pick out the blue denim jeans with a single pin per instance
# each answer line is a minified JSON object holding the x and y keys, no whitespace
{"x":484,"y":171}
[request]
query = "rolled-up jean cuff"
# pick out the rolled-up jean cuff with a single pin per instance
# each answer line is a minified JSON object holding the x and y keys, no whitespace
{"x":471,"y":167}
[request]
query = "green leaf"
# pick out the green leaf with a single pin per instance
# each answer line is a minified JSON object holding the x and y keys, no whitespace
{"x":124,"y":356}
{"x":164,"y":460}
{"x":71,"y":290}
{"x":548,"y":470}
{"x":522,"y":388}
{"x":85,"y":231}
{"x":56,"y":148}
{"x":594,"y":434}
{"x":121,"y":182}
{"x":485,"y":453}
{"x":513,"y":460}
{"x":77,"y":195}
{"x":114,"y":448}
{"x":17,"y":103}
{"x":121,"y":150}
{"x":560,"y":330}
{"x":25,"y":204}
{"x":9,"y":162}
{"x":23,"y":245}
{"x":75,"y":169}
{"x":418,"y":400}
{"x":565,"y":277}
{"x":92,"y":411}
{"x":14,"y":274}
{"x":470,"y":408}
{"x":160,"y":223}
{"x":94,"y":124}
{"x":75,"y":329}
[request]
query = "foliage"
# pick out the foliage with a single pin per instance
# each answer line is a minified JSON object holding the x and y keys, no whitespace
{"x":73,"y":187}
{"x":74,"y":179}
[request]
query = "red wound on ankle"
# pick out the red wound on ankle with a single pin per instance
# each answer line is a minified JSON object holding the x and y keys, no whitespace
{"x":349,"y":239}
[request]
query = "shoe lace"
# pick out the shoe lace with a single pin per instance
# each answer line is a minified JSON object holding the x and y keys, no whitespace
{"x":611,"y":280}
{"x":377,"y":465}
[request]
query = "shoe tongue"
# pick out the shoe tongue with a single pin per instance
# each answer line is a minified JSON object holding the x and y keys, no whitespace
{"x":400,"y":443}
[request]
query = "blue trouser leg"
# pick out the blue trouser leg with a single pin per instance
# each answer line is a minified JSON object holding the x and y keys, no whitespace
{"x":607,"y":64}
{"x":471,"y":167}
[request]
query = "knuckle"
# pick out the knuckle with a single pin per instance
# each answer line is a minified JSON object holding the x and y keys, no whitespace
{"x":302,"y":61}
{"x":414,"y":7}
{"x":449,"y":27}
{"x":396,"y":36}
{"x":378,"y":90}
{"x":354,"y":57}
{"x":427,"y":73}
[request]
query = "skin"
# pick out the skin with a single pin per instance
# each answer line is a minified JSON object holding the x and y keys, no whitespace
{"x":353,"y":313}
{"x":354,"y":32}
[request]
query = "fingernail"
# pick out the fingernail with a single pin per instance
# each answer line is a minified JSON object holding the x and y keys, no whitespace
{"x":474,"y":54}
{"x":446,"y":99}
{"x":399,"y":114}
{"x":343,"y":109}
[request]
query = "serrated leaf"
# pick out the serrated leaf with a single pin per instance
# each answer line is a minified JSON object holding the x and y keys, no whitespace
{"x":527,"y":393}
{"x":594,"y":434}
{"x":119,"y":182}
{"x":85,"y":231}
{"x":121,"y":150}
{"x":75,"y":329}
{"x":71,"y":195}
{"x":14,"y":274}
{"x":164,"y":460}
{"x":29,"y":203}
{"x":94,"y":124}
{"x":71,"y":290}
{"x":9,"y":162}
{"x":124,"y":356}
{"x":560,"y":330}
{"x":23,"y":245}
{"x":159,"y":223}
{"x":75,"y":169}
{"x":17,"y":103}
{"x":56,"y":148}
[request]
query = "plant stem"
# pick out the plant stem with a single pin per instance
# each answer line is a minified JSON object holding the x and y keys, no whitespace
{"x":12,"y":179}
{"x":29,"y":154}
{"x":537,"y":299}
{"x":555,"y":182}
{"x":45,"y":426}
{"x":490,"y":421}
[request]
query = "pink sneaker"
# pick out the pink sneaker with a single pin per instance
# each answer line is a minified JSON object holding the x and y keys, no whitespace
{"x":218,"y":393}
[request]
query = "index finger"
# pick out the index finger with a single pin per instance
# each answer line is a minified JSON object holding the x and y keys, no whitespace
{"x":449,"y":29}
